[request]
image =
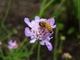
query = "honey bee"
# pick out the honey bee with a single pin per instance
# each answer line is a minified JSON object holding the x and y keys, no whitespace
{"x":46,"y":25}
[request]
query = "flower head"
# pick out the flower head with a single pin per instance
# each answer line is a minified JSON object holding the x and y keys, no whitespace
{"x":12,"y":44}
{"x":66,"y":55}
{"x":40,"y":30}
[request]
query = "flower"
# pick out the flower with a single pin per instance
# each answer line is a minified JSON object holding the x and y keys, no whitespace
{"x":12,"y":44}
{"x":66,"y":55}
{"x":38,"y":33}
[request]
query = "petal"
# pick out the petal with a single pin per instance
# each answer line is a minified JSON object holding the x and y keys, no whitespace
{"x":48,"y":38}
{"x":43,"y":19}
{"x":10,"y":42}
{"x":37,"y":18}
{"x":33,"y":22}
{"x":27,"y":31}
{"x":26,"y":20}
{"x":35,"y":25}
{"x":51,"y":21}
{"x":42,"y":43}
{"x":32,"y":41}
{"x":54,"y":26}
{"x":10,"y":47}
{"x":14,"y":43}
{"x":49,"y":45}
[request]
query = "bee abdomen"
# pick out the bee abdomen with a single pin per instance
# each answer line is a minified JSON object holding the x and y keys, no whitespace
{"x":49,"y":28}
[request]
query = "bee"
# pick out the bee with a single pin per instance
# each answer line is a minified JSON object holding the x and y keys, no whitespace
{"x":46,"y":25}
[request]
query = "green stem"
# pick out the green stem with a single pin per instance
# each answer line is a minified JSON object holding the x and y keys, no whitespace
{"x":58,"y":8}
{"x":55,"y":46}
{"x":38,"y":54}
{"x":78,"y":12}
{"x":43,"y":4}
{"x":6,"y":14}
{"x":45,"y":7}
{"x":34,"y":45}
{"x":60,"y":46}
{"x":21,"y":49}
{"x":79,"y":24}
{"x":2,"y":54}
{"x":66,"y":58}
{"x":21,"y":45}
{"x":31,"y":50}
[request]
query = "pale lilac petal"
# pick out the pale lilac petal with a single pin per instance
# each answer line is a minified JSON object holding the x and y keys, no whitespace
{"x":10,"y":47}
{"x":42,"y":43}
{"x":48,"y":38}
{"x":49,"y":45}
{"x":14,"y":43}
{"x":10,"y":42}
{"x":26,"y":20}
{"x":54,"y":26}
{"x":37,"y":18}
{"x":42,"y":19}
{"x":35,"y":25}
{"x":27,"y":31}
{"x":51,"y":21}
{"x":32,"y":41}
{"x":33,"y":22}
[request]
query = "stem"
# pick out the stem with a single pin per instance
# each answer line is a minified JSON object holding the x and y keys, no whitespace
{"x":21,"y":45}
{"x":6,"y":14}
{"x":79,"y":24}
{"x":57,"y":9}
{"x":66,"y":58}
{"x":43,"y":4}
{"x":78,"y":14}
{"x":38,"y":54}
{"x":45,"y":7}
{"x":2,"y":54}
{"x":34,"y":45}
{"x":56,"y":44}
{"x":60,"y":46}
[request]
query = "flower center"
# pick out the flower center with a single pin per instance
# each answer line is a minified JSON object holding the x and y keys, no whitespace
{"x":38,"y":34}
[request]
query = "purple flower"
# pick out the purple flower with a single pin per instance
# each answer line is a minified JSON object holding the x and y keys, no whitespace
{"x":39,"y":33}
{"x":12,"y":44}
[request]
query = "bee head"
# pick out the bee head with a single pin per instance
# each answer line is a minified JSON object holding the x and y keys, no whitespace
{"x":42,"y":24}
